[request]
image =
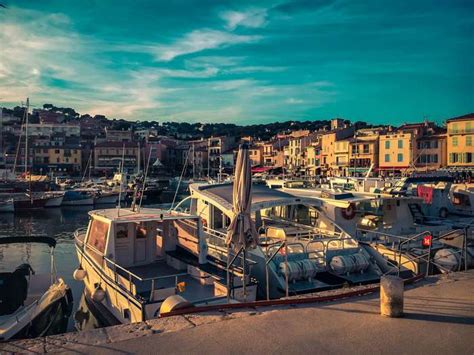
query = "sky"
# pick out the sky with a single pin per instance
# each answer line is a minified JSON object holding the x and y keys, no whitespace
{"x":241,"y":62}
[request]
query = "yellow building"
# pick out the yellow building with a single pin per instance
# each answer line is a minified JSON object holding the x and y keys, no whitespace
{"x":295,"y":159}
{"x":460,"y":141}
{"x":396,"y":151}
{"x":66,"y":158}
{"x":313,"y":159}
{"x":341,"y":158}
{"x":256,"y":155}
{"x":329,"y":164}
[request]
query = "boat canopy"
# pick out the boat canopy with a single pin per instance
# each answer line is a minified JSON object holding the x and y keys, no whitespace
{"x":262,"y":197}
{"x":29,"y":239}
{"x":144,"y":215}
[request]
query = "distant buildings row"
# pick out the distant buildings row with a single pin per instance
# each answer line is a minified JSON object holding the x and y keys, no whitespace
{"x":339,"y":150}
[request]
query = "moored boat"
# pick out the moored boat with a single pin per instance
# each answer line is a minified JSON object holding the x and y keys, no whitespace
{"x":78,"y":198}
{"x":32,"y":304}
{"x":136,"y":264}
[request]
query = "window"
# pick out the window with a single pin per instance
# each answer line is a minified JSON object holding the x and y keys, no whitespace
{"x":468,"y":157}
{"x":399,"y":157}
{"x":455,"y":141}
{"x":435,"y":158}
{"x":400,"y":144}
{"x":469,"y":141}
{"x":435,"y":144}
{"x":387,"y":144}
{"x":98,"y":235}
{"x":56,"y":151}
{"x":387,"y":158}
{"x":468,"y":127}
{"x":366,"y":149}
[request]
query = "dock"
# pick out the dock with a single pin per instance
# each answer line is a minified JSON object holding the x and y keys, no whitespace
{"x":439,"y":318}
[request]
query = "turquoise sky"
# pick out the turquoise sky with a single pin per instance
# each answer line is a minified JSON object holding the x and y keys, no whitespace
{"x":216,"y":61}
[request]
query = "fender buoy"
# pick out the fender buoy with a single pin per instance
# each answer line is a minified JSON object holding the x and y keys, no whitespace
{"x":349,"y":212}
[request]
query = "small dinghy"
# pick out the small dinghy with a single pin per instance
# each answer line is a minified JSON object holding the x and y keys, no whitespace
{"x":32,"y":305}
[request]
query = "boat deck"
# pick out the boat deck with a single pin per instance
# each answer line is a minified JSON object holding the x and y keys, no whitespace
{"x":166,"y":276}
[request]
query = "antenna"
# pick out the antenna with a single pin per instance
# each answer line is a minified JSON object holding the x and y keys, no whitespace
{"x":121,"y":181}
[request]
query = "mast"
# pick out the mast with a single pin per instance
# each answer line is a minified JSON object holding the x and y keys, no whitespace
{"x":194,"y":164}
{"x":26,"y":134}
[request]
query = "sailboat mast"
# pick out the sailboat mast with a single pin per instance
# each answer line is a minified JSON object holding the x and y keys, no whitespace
{"x":26,"y":133}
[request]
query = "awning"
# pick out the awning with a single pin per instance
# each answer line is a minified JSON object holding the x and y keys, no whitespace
{"x":261,"y":169}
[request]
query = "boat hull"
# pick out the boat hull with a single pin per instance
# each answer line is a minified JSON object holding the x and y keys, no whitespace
{"x":81,"y":202}
{"x":106,"y":199}
{"x":48,"y":316}
{"x":29,"y":204}
{"x":54,"y":201}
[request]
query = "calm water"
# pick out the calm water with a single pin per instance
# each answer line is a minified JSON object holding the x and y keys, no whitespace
{"x":59,"y":223}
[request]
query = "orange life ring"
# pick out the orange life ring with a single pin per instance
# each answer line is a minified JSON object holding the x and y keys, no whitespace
{"x":204,"y":222}
{"x":349,"y":212}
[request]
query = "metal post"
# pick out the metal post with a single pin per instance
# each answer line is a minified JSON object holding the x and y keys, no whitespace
{"x":53,"y":276}
{"x":429,"y":260}
{"x":286,"y":268}
{"x":465,"y":248}
{"x":228,"y":276}
{"x":244,"y":281}
{"x":152,"y":289}
{"x":267,"y":285}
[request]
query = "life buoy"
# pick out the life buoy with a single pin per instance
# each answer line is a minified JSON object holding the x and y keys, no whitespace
{"x":204,"y":222}
{"x":349,"y":212}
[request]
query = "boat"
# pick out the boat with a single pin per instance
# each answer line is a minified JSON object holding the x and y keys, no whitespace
{"x":105,"y":197}
{"x":29,"y":201}
{"x":31,"y":304}
{"x":55,"y":198}
{"x":137,"y":264}
{"x":421,"y":243}
{"x":300,"y":249}
{"x":78,"y":198}
{"x":7,"y":205}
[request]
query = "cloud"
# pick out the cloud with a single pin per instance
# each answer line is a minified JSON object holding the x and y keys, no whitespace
{"x":252,"y":18}
{"x":200,"y":40}
{"x":293,"y":101}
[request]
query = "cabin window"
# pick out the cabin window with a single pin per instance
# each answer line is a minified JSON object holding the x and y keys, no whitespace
{"x":140,"y":232}
{"x":461,"y":200}
{"x":121,"y":231}
{"x":98,"y":235}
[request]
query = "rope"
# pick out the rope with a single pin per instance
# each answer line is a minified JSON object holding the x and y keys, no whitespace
{"x":179,"y":181}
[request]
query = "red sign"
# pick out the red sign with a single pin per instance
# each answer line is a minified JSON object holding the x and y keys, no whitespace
{"x":426,"y":242}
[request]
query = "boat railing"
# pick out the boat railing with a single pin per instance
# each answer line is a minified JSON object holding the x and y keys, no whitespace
{"x":132,"y":278}
{"x":24,"y":311}
{"x":216,"y":241}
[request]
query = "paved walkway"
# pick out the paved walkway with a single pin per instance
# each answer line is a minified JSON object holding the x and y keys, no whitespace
{"x":439,"y":318}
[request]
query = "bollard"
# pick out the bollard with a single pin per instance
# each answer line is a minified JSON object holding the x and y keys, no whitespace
{"x":391,"y":296}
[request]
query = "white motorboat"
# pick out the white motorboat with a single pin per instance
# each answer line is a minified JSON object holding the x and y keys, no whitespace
{"x":137,"y":264}
{"x":78,"y":198}
{"x":55,"y":199}
{"x":106,"y":197}
{"x":300,"y":249}
{"x":32,"y":305}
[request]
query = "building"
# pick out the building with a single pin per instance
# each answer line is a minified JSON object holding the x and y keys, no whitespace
{"x":50,"y":129}
{"x":108,"y":156}
{"x":364,"y":151}
{"x":396,"y":151}
{"x":429,"y":145}
{"x":273,"y":152}
{"x":329,"y":165}
{"x":60,"y":155}
{"x":295,"y":152}
{"x":256,"y":154}
{"x":460,"y":142}
{"x":216,"y":147}
{"x":115,"y":135}
{"x":313,"y":156}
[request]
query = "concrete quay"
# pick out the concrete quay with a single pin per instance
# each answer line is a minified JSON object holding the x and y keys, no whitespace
{"x":439,"y":318}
